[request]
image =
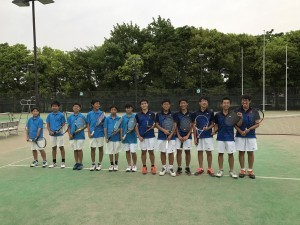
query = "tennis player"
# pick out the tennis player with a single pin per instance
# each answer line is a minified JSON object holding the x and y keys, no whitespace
{"x":225,"y":138}
{"x":145,"y":123}
{"x":130,"y":141}
{"x":206,"y":140}
{"x":113,"y":140}
{"x":97,"y":139}
{"x":246,"y":138}
{"x":55,"y":120}
{"x":184,"y":138}
{"x":76,"y":140}
{"x":165,"y":136}
{"x":35,"y":127}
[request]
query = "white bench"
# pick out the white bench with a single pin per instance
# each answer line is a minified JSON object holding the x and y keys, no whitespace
{"x":8,"y":127}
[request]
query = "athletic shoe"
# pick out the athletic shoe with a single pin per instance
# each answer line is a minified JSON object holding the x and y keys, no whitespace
{"x":172,"y":173}
{"x":93,"y":167}
{"x":179,"y":171}
{"x":34,"y":164}
{"x":199,"y":171}
{"x":99,"y":167}
{"x":45,"y":164}
{"x":63,"y":165}
{"x":116,"y":167}
{"x":153,"y":170}
{"x":211,"y":172}
{"x":188,"y":171}
{"x":162,"y":172}
{"x":251,"y":174}
{"x":111,"y":168}
{"x":144,"y":170}
{"x":233,"y":174}
{"x":75,"y":166}
{"x":128,"y":169}
{"x":134,"y":169}
{"x":80,"y":166}
{"x":242,"y":173}
{"x":220,"y":173}
{"x":52,"y":165}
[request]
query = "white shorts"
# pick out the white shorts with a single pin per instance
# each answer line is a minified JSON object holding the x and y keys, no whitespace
{"x":246,"y":144}
{"x":132,"y":147}
{"x":96,"y":142}
{"x":77,"y":144}
{"x":187,"y":145}
{"x":34,"y":146}
{"x":113,"y":147}
{"x":205,"y":144}
{"x":161,"y":146}
{"x":226,"y":146}
{"x":57,"y":141}
{"x":148,"y":144}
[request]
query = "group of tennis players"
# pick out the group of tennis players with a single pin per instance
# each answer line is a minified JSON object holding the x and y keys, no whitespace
{"x":169,"y":142}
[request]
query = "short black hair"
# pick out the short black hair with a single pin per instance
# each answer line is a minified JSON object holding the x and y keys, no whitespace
{"x":183,"y":100}
{"x":76,"y":103}
{"x":203,"y":97}
{"x":94,"y":101}
{"x":166,"y":100}
{"x":55,"y":103}
{"x":128,"y":105}
{"x":35,"y":108}
{"x":246,"y":96}
{"x":144,"y":100}
{"x":225,"y":98}
{"x":113,"y":106}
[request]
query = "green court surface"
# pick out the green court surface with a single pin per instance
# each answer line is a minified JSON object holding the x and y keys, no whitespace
{"x":63,"y":196}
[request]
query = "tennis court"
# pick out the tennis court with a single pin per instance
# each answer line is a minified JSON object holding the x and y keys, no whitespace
{"x":63,"y":196}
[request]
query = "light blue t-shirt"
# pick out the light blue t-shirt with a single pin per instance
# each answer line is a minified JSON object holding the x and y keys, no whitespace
{"x":92,"y":118}
{"x":33,"y":124}
{"x":131,"y":137}
{"x":56,"y":120}
{"x":72,"y":126}
{"x":109,"y":124}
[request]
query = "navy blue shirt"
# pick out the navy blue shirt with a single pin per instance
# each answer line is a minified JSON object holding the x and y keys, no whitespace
{"x":178,"y":117}
{"x":225,"y":132}
{"x":33,"y":124}
{"x":247,"y":123}
{"x":145,"y":121}
{"x":209,"y":113}
{"x":159,"y":119}
{"x":56,"y":120}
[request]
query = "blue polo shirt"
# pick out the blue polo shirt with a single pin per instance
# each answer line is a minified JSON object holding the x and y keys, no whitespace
{"x":92,"y":118}
{"x":178,"y":117}
{"x":33,"y":124}
{"x":159,"y":119}
{"x":225,"y":132}
{"x":145,"y":121}
{"x":247,"y":123}
{"x":109,"y":124}
{"x":131,"y":137}
{"x":209,"y":113}
{"x":56,"y":120}
{"x":72,"y":127}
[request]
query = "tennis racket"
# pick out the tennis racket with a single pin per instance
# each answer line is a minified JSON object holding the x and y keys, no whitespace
{"x":232,"y":118}
{"x":149,"y":125}
{"x":255,"y":116}
{"x":100,"y":121}
{"x":79,"y":125}
{"x":130,"y":126}
{"x":201,"y":122}
{"x":62,"y":129}
{"x":185,"y":126}
{"x":116,"y":128}
{"x":40,"y":142}
{"x":168,"y":124}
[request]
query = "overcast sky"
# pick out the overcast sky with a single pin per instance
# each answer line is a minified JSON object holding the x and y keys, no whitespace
{"x":69,"y":24}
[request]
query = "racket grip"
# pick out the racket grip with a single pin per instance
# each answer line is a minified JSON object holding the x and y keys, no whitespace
{"x":92,"y":133}
{"x":167,"y":145}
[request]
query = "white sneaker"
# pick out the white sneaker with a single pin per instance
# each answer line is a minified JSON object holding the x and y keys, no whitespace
{"x":233,"y":174}
{"x":45,"y":164}
{"x":220,"y":173}
{"x":116,"y":167}
{"x":63,"y":165}
{"x":128,"y":169}
{"x":52,"y":165}
{"x":111,"y":168}
{"x":172,"y":173}
{"x":134,"y":169}
{"x":34,"y":164}
{"x":163,"y":171}
{"x":99,"y":167}
{"x":93,"y":167}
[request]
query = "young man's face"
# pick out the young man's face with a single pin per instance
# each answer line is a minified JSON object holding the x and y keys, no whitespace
{"x":203,"y":103}
{"x":96,"y":105}
{"x":183,"y":105}
{"x":225,"y":104}
{"x":35,"y":112}
{"x":245,"y":103}
{"x":113,"y":111}
{"x":55,"y":108}
{"x":144,"y":105}
{"x":166,"y":106}
{"x":129,"y":110}
{"x":76,"y":108}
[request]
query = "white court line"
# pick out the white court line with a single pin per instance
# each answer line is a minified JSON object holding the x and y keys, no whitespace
{"x":15,"y":162}
{"x":15,"y":149}
{"x":261,"y":177}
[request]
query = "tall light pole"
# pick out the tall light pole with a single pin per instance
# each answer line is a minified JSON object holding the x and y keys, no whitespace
{"x":242,"y":55}
{"x":201,"y":76}
{"x":135,"y":80}
{"x":264,"y":71}
{"x":23,"y":3}
{"x":286,"y":75}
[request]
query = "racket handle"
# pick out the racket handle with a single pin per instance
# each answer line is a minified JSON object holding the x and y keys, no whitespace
{"x":167,"y":145}
{"x":181,"y":145}
{"x":92,"y":133}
